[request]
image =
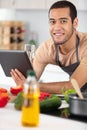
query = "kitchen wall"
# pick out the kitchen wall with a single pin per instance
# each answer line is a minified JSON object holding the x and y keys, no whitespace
{"x":37,"y":21}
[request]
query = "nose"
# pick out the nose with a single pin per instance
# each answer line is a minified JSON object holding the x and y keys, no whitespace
{"x":57,"y":25}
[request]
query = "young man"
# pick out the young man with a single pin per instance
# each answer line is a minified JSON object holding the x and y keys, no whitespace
{"x":67,"y":48}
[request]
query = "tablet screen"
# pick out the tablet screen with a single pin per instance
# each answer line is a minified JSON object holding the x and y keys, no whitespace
{"x":11,"y":59}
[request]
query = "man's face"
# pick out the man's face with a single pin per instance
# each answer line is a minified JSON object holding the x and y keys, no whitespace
{"x":61,"y":26}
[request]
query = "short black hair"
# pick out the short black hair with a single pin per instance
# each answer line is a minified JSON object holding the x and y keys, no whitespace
{"x":65,"y":4}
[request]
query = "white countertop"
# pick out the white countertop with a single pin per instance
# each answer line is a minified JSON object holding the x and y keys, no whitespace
{"x":52,"y":73}
{"x":10,"y":119}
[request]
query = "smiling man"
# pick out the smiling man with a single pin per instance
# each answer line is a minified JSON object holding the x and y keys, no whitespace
{"x":67,"y":48}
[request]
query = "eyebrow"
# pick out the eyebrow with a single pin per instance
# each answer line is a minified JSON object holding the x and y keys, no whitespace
{"x":59,"y":19}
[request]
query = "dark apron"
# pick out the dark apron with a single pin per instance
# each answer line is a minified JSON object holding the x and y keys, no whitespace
{"x":71,"y":68}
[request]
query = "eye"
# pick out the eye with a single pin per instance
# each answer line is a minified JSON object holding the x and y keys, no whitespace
{"x":52,"y":22}
{"x":63,"y":21}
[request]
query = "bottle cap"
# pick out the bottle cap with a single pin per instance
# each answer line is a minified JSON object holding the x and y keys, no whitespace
{"x":31,"y":73}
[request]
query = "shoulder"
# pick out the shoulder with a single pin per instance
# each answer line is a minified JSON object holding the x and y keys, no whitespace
{"x":46,"y":45}
{"x":82,"y":47}
{"x":45,"y":53}
{"x":82,"y":37}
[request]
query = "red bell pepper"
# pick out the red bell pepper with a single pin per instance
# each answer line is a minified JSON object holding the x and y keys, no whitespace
{"x":4,"y":98}
{"x":16,"y":90}
{"x":3,"y":90}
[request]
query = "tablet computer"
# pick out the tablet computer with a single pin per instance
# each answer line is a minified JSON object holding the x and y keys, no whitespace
{"x":11,"y":59}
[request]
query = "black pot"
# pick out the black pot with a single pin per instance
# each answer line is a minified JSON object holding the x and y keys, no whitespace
{"x":78,"y":106}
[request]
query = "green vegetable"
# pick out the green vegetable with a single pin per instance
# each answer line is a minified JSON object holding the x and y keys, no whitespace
{"x":65,"y":112}
{"x":50,"y":104}
{"x":66,"y":94}
{"x":18,"y":101}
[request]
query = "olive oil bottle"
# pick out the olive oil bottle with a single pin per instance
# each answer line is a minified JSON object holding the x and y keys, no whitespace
{"x":30,"y":108}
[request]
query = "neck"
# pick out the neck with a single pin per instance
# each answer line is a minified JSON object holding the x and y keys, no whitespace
{"x":69,"y":45}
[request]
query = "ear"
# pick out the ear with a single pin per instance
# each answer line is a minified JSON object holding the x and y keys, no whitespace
{"x":75,"y":23}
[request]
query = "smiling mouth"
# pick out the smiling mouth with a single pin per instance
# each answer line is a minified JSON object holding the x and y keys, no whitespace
{"x":58,"y":34}
{"x":58,"y":38}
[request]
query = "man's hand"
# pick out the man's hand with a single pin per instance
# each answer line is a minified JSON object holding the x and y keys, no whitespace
{"x":17,"y":76}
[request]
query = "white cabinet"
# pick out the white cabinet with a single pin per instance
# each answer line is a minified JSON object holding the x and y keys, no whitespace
{"x":80,"y":4}
{"x":23,"y":4}
{"x":38,"y":4}
{"x":6,"y":3}
{"x":29,"y":4}
{"x":49,"y":3}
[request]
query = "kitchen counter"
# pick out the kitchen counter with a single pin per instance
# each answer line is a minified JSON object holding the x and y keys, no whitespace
{"x":10,"y":119}
{"x":51,"y":73}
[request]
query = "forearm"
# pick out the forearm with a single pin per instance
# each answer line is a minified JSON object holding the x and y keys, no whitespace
{"x":55,"y":87}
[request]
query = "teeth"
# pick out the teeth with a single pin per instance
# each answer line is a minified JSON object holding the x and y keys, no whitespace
{"x":58,"y":34}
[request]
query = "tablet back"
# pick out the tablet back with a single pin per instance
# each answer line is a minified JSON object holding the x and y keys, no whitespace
{"x":11,"y":59}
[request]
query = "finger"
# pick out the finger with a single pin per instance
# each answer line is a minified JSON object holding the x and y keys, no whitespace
{"x":20,"y":74}
{"x":15,"y":78}
{"x":14,"y":73}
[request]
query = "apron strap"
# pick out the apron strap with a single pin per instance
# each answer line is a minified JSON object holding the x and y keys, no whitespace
{"x":77,"y":44}
{"x":57,"y":49}
{"x":57,"y":56}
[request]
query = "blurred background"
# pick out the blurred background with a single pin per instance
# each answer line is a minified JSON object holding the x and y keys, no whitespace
{"x":22,"y":21}
{"x":26,"y":21}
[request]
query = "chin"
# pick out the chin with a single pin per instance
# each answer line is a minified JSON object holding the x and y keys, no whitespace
{"x":58,"y":43}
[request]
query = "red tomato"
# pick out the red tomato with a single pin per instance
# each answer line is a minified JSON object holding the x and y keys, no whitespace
{"x":3,"y":99}
{"x":44,"y":95}
{"x":16,"y":90}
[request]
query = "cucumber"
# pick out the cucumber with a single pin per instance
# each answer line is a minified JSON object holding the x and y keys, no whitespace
{"x":50,"y":104}
{"x":47,"y":105}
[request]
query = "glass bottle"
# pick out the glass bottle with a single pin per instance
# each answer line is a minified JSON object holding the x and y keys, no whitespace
{"x":32,"y":53}
{"x":32,"y":39}
{"x":30,"y":108}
